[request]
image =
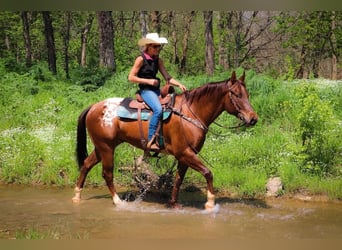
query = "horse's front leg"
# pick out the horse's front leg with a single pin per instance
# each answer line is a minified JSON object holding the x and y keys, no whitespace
{"x":181,"y":171}
{"x":192,"y":160}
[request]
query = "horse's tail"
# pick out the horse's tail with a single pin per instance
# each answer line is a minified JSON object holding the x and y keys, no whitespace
{"x":81,"y":145}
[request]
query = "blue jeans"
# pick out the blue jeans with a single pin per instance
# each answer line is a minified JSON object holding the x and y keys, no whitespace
{"x":151,"y":98}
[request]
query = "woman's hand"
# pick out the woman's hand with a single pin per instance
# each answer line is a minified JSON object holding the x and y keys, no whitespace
{"x":174,"y":82}
{"x":154,"y":82}
{"x":177,"y":84}
{"x":182,"y":87}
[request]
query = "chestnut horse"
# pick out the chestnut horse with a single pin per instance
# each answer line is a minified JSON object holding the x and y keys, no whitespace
{"x":184,"y":132}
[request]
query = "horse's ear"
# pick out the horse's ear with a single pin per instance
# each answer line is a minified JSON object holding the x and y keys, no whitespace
{"x":242,"y":78}
{"x":233,"y":77}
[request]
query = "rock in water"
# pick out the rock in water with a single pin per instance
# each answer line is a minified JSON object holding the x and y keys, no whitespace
{"x":273,"y":186}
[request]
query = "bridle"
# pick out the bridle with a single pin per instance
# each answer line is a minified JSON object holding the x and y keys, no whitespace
{"x":197,"y":121}
{"x":238,"y":109}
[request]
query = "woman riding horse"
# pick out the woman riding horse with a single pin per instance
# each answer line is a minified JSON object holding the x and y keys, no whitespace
{"x":144,"y":72}
{"x":184,"y":132}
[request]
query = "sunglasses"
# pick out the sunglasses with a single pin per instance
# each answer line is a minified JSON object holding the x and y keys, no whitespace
{"x":156,"y":46}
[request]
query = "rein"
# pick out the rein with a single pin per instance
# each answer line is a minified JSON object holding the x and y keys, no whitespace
{"x":198,"y":123}
{"x":241,"y":124}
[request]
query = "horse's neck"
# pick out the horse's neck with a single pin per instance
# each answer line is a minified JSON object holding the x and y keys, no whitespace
{"x":208,"y":107}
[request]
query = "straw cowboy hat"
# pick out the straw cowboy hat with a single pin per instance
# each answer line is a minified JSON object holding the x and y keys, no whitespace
{"x":152,"y":38}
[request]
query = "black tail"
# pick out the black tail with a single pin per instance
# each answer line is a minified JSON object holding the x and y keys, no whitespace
{"x":81,"y":146}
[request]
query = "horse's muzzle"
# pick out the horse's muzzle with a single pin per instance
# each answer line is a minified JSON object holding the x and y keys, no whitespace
{"x":250,"y":120}
{"x":253,"y":121}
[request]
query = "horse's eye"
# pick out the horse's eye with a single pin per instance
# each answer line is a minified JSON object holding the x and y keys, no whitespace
{"x":238,"y":95}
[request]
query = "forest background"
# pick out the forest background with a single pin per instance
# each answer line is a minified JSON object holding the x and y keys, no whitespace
{"x":54,"y":64}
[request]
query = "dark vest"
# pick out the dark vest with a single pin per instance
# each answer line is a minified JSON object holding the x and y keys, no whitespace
{"x":148,"y":70}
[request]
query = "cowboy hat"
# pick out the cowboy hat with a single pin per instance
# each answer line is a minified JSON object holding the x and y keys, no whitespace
{"x":152,"y":38}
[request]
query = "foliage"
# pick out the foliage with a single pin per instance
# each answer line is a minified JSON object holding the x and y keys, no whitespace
{"x":292,"y":68}
{"x":39,"y":114}
{"x":91,"y":78}
{"x":241,"y":38}
{"x":311,"y":34}
{"x":320,"y":132}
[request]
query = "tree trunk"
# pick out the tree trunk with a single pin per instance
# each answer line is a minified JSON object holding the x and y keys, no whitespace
{"x":156,"y":24}
{"x":106,"y":32}
{"x":238,"y":39}
{"x":222,"y":50}
{"x":143,"y":23}
{"x":209,"y":44}
{"x":27,"y":38}
{"x":50,"y":42}
{"x":188,"y":20}
{"x":230,"y":38}
{"x":174,"y":37}
{"x":315,"y":67}
{"x":300,"y":71}
{"x":333,"y":45}
{"x":66,"y":39}
{"x":84,"y":39}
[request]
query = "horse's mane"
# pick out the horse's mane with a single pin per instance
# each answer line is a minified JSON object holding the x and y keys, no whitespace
{"x":204,"y":90}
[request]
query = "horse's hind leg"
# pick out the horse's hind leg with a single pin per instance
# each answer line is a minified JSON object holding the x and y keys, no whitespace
{"x":89,"y":163}
{"x":107,"y":173}
{"x":181,"y":171}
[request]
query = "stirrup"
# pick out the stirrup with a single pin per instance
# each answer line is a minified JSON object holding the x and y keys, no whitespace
{"x":152,"y":145}
{"x":148,"y":154}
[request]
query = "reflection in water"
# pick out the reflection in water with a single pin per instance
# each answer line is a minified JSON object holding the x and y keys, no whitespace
{"x":51,"y":210}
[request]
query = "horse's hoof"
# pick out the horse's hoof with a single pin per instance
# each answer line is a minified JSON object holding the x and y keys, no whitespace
{"x":175,"y":206}
{"x":210,"y":208}
{"x":76,"y":200}
{"x":209,"y":205}
{"x":117,"y":201}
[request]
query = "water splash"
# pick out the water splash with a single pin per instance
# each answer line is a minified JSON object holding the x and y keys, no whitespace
{"x":212,"y":211}
{"x":139,"y":206}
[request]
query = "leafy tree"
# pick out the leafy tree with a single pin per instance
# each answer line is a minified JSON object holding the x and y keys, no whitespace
{"x":311,"y":35}
{"x":10,"y":37}
{"x":297,"y":45}
{"x":242,"y":35}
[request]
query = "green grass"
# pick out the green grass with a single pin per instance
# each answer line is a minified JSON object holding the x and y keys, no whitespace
{"x":38,"y":130}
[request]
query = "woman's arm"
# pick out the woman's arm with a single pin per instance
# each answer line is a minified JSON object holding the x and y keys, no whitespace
{"x":168,"y":78}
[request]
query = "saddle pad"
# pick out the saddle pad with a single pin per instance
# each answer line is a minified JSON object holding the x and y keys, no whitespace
{"x":123,"y":111}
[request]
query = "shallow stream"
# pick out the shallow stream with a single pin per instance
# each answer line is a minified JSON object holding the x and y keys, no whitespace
{"x":50,"y":210}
